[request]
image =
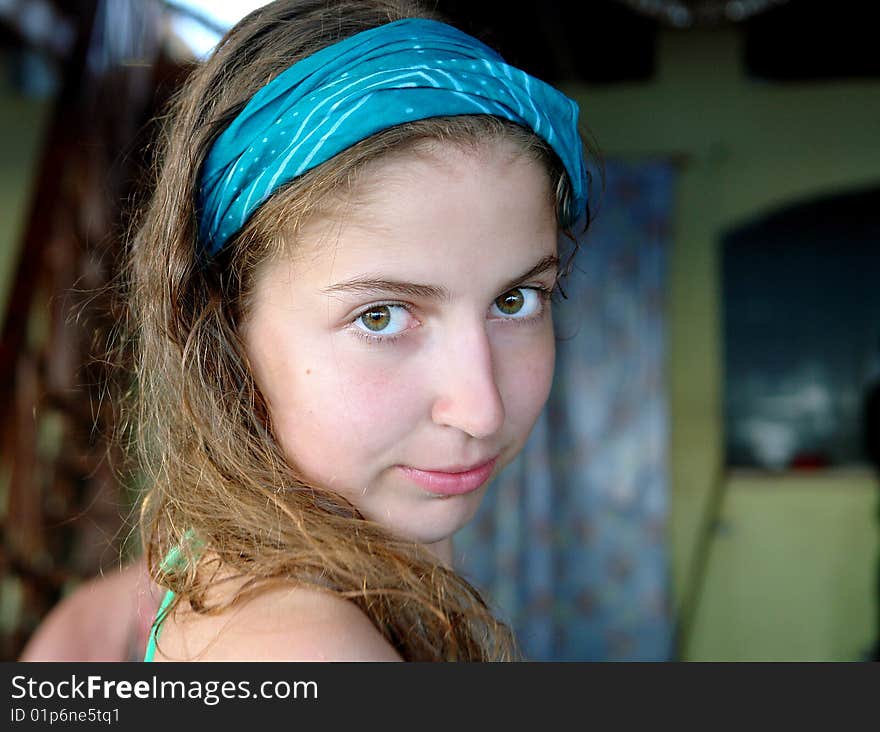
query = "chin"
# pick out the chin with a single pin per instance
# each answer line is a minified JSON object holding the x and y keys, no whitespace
{"x":429,"y":535}
{"x":445,"y":517}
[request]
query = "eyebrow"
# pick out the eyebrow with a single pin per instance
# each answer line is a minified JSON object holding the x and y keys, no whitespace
{"x":369,"y":285}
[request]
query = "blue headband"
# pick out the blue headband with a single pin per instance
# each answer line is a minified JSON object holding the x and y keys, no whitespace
{"x":403,"y":71}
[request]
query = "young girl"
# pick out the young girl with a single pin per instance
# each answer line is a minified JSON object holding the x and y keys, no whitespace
{"x":340,"y":297}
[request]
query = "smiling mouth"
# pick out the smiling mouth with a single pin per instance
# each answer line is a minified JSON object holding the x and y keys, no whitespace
{"x":451,"y":484}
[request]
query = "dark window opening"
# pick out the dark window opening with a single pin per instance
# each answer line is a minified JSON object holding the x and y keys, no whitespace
{"x":801,"y":299}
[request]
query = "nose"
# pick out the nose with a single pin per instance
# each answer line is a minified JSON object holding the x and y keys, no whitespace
{"x":468,"y":397}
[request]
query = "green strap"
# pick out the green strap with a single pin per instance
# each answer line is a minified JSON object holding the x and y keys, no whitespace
{"x":154,"y":630}
{"x":173,"y":560}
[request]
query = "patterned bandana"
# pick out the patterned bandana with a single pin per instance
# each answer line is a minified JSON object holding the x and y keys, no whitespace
{"x":403,"y":71}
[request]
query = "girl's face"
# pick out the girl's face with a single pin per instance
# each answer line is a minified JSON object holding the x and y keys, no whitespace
{"x":415,"y":332}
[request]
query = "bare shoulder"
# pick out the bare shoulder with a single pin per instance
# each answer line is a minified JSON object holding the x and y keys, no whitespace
{"x":279,"y":624}
{"x":96,"y":621}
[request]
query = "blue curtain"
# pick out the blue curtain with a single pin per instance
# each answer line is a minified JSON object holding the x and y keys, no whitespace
{"x":570,"y":544}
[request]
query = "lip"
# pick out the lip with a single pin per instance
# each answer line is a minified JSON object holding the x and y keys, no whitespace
{"x":451,"y":483}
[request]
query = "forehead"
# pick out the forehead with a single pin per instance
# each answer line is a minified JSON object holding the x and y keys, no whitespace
{"x":434,"y":190}
{"x":428,"y":160}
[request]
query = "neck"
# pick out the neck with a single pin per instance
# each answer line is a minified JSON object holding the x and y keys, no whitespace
{"x":442,"y":550}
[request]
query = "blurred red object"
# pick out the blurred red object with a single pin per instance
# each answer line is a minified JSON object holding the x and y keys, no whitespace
{"x":809,"y":461}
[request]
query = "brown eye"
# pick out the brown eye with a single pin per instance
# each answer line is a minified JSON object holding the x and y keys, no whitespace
{"x":522,"y":304}
{"x":511,"y":302}
{"x":377,"y":318}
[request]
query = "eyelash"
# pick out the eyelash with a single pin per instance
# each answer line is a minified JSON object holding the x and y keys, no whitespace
{"x":544,"y":293}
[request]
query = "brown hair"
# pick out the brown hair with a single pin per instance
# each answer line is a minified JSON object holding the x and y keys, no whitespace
{"x":198,"y":425}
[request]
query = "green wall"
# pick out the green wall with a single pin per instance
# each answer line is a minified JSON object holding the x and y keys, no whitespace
{"x":745,"y":147}
{"x":22,"y":125}
{"x":791,"y":572}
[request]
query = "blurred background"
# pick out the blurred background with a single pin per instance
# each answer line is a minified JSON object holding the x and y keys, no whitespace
{"x":702,"y":485}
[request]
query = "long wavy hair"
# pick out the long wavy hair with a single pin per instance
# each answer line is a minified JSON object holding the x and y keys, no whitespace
{"x":220,"y":492}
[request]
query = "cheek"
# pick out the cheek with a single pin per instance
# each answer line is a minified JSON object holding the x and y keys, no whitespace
{"x":339,"y":413}
{"x":372,"y":402}
{"x":526,"y":378}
